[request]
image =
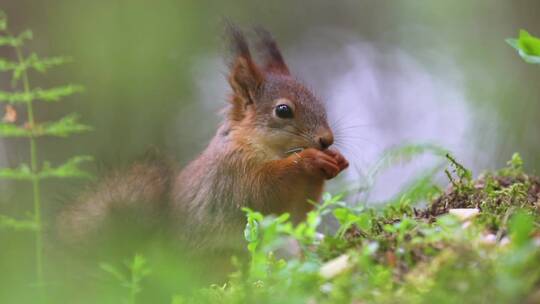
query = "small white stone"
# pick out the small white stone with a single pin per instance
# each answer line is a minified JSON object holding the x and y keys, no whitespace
{"x":464,"y":213}
{"x":326,"y":288}
{"x":319,"y":237}
{"x":335,"y":267}
{"x":489,"y":239}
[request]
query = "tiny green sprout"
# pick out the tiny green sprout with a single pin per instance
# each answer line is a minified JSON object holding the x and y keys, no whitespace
{"x":348,"y":218}
{"x":464,"y":181}
{"x":462,"y":172}
{"x":516,"y":162}
{"x":138,"y":270}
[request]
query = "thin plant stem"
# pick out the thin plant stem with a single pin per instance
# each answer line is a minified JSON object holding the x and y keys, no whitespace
{"x":133,"y":289}
{"x":35,"y":178}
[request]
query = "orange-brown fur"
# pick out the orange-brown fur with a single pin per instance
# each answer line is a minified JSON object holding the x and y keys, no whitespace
{"x":137,"y":197}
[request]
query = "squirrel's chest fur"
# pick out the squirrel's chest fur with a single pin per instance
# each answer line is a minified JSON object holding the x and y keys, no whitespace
{"x":208,"y":195}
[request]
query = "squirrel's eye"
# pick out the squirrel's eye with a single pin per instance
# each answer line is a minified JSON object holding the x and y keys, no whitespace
{"x":284,"y":111}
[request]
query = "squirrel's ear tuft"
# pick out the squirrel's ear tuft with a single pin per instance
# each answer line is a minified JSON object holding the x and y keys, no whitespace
{"x":244,"y":77}
{"x":273,"y":60}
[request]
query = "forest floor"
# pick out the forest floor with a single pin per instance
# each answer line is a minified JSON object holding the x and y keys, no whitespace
{"x":478,"y":241}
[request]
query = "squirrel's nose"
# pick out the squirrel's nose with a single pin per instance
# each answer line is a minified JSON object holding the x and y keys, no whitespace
{"x":326,"y":140}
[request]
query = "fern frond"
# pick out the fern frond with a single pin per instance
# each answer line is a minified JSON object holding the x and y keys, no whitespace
{"x":49,"y":95}
{"x":7,"y":65}
{"x":19,"y":70}
{"x":68,"y":169}
{"x":11,"y":130}
{"x":16,"y":41}
{"x":404,"y":154}
{"x":33,"y":62}
{"x":57,"y":93}
{"x":16,"y":97}
{"x":7,"y":222}
{"x":43,"y":64}
{"x":64,"y":127}
{"x":22,"y":172}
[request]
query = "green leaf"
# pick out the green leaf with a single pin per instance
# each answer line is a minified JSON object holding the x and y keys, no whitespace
{"x":17,"y":225}
{"x":16,"y":41}
{"x":6,"y":40}
{"x":68,"y":169}
{"x":344,"y":215}
{"x":527,"y":46}
{"x":43,"y":64}
{"x":347,"y":217}
{"x":113,"y":271}
{"x":16,"y":97}
{"x":3,"y":21}
{"x":6,"y":65}
{"x":516,"y":162}
{"x":364,"y":221}
{"x":50,"y":95}
{"x":19,"y":40}
{"x":404,"y":154}
{"x":31,"y":62}
{"x":11,"y":130}
{"x":55,"y":94}
{"x":329,"y":200}
{"x":521,"y":227}
{"x":62,"y":128}
{"x":139,"y":268}
{"x":22,"y":172}
{"x":251,"y":232}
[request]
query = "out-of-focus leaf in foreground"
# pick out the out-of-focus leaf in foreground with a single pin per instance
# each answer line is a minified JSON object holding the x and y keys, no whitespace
{"x":527,"y":46}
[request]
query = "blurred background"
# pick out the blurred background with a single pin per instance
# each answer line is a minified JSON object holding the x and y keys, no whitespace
{"x":390,"y":72}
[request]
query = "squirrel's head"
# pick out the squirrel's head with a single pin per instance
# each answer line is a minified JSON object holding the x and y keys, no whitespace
{"x":271,"y":106}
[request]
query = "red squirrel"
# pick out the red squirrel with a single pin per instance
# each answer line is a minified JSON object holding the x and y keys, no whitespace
{"x":271,"y":153}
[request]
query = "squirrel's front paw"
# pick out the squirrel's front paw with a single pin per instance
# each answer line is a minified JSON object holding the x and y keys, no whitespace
{"x":342,"y":162}
{"x":317,"y":162}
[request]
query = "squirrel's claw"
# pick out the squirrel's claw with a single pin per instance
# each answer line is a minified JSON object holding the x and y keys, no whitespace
{"x":328,"y":164}
{"x":342,"y":162}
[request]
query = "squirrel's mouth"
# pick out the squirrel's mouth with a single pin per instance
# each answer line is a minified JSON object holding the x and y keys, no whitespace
{"x":294,"y":150}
